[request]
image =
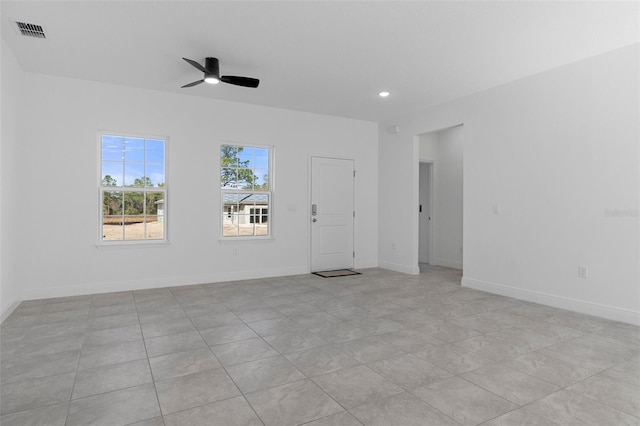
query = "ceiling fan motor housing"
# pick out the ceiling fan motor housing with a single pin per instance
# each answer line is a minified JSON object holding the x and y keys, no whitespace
{"x":213,"y":68}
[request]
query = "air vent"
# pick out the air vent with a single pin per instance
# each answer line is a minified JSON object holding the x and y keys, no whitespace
{"x":30,"y":30}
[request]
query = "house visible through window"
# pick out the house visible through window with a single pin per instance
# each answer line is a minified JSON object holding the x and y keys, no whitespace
{"x":258,"y":214}
{"x":133,"y":189}
{"x":246,"y":191}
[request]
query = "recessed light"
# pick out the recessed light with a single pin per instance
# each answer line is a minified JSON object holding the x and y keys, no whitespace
{"x":383,"y":94}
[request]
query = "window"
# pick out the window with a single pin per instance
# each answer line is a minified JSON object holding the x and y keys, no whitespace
{"x":246,"y":191}
{"x":133,"y":191}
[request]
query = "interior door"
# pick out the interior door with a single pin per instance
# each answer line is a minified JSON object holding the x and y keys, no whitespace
{"x":332,"y":214}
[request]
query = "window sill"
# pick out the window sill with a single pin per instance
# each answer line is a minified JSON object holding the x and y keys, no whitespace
{"x":132,"y":245}
{"x":236,"y":240}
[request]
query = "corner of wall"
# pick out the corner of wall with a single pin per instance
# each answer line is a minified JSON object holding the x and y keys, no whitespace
{"x":405,"y":269}
{"x":11,"y":85}
{"x":5,"y":311}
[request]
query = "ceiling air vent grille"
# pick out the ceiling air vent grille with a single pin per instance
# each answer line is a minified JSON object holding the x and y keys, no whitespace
{"x":30,"y":30}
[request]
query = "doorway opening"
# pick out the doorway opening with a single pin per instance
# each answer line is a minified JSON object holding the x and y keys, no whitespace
{"x":439,"y":221}
{"x":425,"y":248}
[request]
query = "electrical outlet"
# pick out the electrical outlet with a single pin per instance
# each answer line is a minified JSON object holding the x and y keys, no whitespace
{"x":583,"y":271}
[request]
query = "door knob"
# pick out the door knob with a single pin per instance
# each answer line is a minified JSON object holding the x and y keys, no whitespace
{"x":314,"y":220}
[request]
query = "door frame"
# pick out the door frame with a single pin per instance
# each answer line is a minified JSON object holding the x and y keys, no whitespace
{"x":309,"y":199}
{"x":415,"y":255}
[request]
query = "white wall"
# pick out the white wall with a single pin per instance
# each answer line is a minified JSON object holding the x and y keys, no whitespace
{"x":58,"y":195}
{"x":445,"y":149}
{"x":11,"y":87}
{"x":556,"y":152}
{"x":428,"y":146}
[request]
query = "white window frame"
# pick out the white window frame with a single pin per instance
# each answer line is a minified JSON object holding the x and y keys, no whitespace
{"x":224,"y":214}
{"x":155,"y":189}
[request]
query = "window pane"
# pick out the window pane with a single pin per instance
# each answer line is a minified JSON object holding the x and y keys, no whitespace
{"x":154,"y":228}
{"x":111,"y":174}
{"x":262,"y":229}
{"x":112,"y":148}
{"x":229,"y":209}
{"x":112,"y":210}
{"x":134,"y":150}
{"x":261,"y":180}
{"x":155,"y":173}
{"x":155,"y":151}
{"x":228,"y":178}
{"x":112,"y":229}
{"x":134,"y":227}
{"x":245,"y":178}
{"x":245,"y":157}
{"x":230,"y":226}
{"x":261,"y":200}
{"x":112,"y":203}
{"x":133,"y":203}
{"x":133,"y":175}
{"x":155,"y":205}
{"x":228,"y":156}
{"x":261,"y":158}
{"x":245,"y":227}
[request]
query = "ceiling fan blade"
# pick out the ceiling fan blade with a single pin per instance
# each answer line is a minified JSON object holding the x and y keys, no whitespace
{"x":240,"y":81}
{"x":195,"y":83}
{"x":195,"y":64}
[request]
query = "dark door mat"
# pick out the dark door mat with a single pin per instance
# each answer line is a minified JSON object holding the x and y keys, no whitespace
{"x":336,"y":273}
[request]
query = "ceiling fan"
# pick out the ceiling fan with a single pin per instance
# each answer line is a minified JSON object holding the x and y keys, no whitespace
{"x":211,"y":70}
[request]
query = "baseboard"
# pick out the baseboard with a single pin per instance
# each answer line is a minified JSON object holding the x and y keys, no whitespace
{"x":147,"y":283}
{"x":405,"y":269}
{"x":581,"y":306}
{"x":449,"y":263}
{"x":365,"y":264}
{"x":6,"y":310}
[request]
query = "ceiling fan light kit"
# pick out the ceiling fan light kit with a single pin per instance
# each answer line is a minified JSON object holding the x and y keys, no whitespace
{"x":211,"y":70}
{"x":212,"y":73}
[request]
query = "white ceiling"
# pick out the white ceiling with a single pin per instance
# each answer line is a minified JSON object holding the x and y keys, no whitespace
{"x":329,"y":57}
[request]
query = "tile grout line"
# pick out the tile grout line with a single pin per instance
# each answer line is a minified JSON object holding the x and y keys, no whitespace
{"x":144,"y":343}
{"x":75,"y":375}
{"x":225,"y":370}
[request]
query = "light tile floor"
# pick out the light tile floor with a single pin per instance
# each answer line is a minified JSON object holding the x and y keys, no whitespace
{"x":381,"y":348}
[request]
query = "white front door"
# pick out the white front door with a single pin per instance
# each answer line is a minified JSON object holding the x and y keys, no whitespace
{"x":332,"y":214}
